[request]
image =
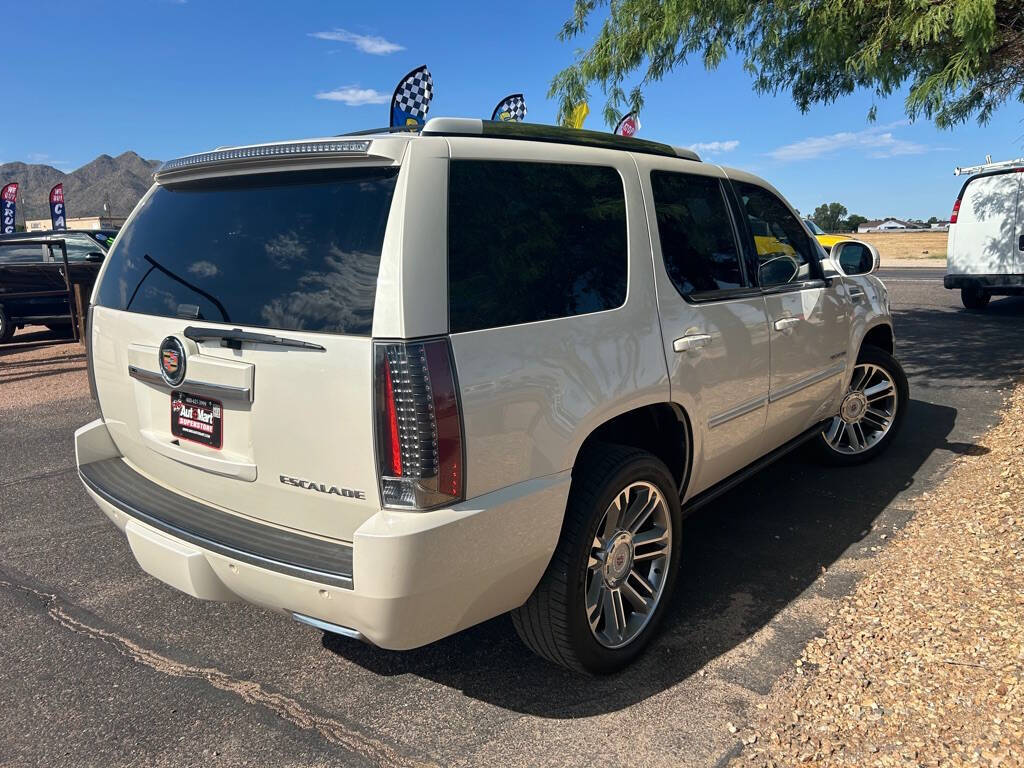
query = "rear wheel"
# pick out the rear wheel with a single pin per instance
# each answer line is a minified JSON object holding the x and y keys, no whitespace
{"x":871,"y":411}
{"x":611,"y":576}
{"x":974,"y":297}
{"x":6,"y":327}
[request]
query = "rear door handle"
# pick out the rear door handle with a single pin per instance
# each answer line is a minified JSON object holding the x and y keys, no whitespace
{"x":1020,"y":243}
{"x":856,"y":294}
{"x":784,"y":324}
{"x":691,"y":341}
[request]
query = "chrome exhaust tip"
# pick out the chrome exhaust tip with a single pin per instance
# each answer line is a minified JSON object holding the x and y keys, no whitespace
{"x":326,"y":626}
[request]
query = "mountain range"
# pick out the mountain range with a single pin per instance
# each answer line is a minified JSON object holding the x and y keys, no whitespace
{"x":119,"y":181}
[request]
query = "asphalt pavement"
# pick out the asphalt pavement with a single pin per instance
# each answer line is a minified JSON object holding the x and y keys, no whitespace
{"x":103,"y":665}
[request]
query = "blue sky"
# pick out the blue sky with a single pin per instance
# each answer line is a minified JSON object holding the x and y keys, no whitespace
{"x":168,"y":77}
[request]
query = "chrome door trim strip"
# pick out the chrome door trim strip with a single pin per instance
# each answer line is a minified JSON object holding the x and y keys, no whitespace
{"x":734,"y":413}
{"x":190,"y":385}
{"x":792,"y":389}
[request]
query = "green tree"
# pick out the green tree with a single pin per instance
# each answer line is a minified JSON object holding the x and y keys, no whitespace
{"x":961,"y":58}
{"x":853,"y":221}
{"x":933,"y":219}
{"x":828,"y":215}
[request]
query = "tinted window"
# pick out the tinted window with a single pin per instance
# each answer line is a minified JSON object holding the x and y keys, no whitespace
{"x":78,"y":247}
{"x":695,"y":230}
{"x":533,"y":241}
{"x":784,"y":251}
{"x":296,"y":251}
{"x":31,"y":253}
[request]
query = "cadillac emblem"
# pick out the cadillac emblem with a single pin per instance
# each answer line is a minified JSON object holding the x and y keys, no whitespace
{"x":172,"y":361}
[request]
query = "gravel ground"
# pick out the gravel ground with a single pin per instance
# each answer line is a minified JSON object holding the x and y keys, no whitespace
{"x":922,"y":665}
{"x":39,"y":371}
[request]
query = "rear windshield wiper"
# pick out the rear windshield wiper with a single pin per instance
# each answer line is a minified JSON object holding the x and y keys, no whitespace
{"x":235,"y":337}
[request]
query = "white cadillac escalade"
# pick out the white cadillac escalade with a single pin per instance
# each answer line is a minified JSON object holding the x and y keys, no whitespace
{"x":397,"y":384}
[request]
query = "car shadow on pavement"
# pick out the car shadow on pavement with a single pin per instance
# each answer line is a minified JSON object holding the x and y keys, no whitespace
{"x":964,"y":347}
{"x":745,"y":557}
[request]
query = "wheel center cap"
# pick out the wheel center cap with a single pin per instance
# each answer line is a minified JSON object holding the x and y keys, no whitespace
{"x":854,"y":406}
{"x":618,"y":557}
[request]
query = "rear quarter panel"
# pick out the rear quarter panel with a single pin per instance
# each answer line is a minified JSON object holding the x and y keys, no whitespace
{"x":532,"y":393}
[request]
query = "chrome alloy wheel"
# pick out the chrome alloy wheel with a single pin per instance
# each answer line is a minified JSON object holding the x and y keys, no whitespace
{"x":628,"y":562}
{"x":867,"y":412}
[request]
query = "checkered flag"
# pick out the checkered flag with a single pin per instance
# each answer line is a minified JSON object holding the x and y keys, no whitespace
{"x":412,"y":97}
{"x":511,"y":109}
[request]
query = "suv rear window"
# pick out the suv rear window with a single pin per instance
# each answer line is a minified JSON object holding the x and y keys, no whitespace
{"x":533,"y":241}
{"x":289,"y":250}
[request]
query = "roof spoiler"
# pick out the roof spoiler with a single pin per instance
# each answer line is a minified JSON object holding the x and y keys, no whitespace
{"x":256,"y":153}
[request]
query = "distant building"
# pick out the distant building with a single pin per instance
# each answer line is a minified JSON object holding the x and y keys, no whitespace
{"x":890,"y":225}
{"x":83,"y":222}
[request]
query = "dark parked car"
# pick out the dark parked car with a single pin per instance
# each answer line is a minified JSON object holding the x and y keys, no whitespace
{"x":32,"y":262}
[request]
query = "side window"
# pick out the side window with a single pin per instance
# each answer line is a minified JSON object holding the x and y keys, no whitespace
{"x":533,"y":241}
{"x":697,"y":240}
{"x":784,"y":251}
{"x":31,"y":253}
{"x":79,"y":247}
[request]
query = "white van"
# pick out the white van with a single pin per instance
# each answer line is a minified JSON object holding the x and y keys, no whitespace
{"x":985,"y":255}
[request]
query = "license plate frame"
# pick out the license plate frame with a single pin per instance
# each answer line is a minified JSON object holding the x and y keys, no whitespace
{"x":203,"y":422}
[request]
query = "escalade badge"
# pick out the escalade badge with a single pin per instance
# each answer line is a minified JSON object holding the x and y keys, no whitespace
{"x":349,"y":493}
{"x":172,"y":361}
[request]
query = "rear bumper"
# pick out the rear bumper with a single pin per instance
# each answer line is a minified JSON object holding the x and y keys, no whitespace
{"x":406,"y":579}
{"x":1007,"y":283}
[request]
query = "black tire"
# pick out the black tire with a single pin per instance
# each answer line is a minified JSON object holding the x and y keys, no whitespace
{"x":6,"y":327}
{"x":553,"y":621}
{"x":879,"y":357}
{"x":974,"y":297}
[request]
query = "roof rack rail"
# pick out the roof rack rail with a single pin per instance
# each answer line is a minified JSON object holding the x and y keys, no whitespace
{"x":1018,"y":163}
{"x":392,"y":129}
{"x":463,"y":126}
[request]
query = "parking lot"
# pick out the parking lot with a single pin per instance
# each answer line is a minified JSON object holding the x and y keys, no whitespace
{"x":104,"y":665}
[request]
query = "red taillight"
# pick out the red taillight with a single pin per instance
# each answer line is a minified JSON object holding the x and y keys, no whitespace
{"x":419,"y":424}
{"x":395,"y":454}
{"x":956,"y":210}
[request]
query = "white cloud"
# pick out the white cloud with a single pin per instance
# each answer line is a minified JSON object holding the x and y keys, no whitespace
{"x":872,"y":142}
{"x":204,"y":268}
{"x":41,"y":158}
{"x":714,"y":147}
{"x":354,"y":96}
{"x":378,"y":46}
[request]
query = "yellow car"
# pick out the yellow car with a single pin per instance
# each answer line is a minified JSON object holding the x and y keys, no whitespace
{"x":827,"y":241}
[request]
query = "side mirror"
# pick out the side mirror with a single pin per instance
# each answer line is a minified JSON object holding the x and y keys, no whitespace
{"x":777,"y":271}
{"x":94,"y":256}
{"x":852,"y":257}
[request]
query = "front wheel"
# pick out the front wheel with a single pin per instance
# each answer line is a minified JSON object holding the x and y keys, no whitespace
{"x":610,"y":578}
{"x":871,"y":412}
